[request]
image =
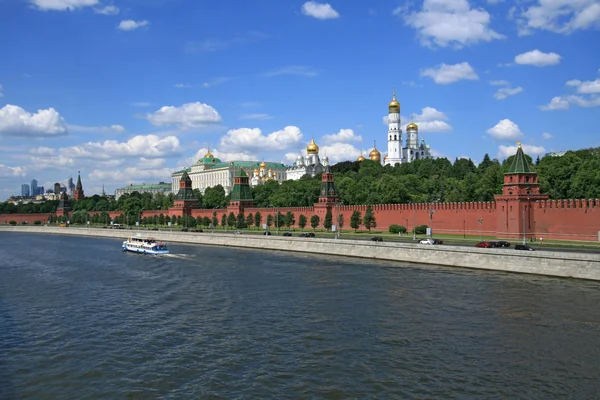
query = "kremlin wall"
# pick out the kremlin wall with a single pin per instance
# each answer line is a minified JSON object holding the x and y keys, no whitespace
{"x":520,"y":209}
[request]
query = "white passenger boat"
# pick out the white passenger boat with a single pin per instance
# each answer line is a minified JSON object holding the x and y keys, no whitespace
{"x":145,"y":246}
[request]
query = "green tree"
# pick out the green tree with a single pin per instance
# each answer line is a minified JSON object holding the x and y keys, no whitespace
{"x":240,"y":222}
{"x":302,"y":221}
{"x":257,"y":220}
{"x":231,"y":220}
{"x":340,"y":221}
{"x":290,"y":219}
{"x":224,"y":221}
{"x":355,"y":220}
{"x":328,"y":221}
{"x":314,"y":221}
{"x":270,"y":220}
{"x":279,"y":220}
{"x":161,"y":219}
{"x":179,"y":221}
{"x":249,"y":220}
{"x":369,"y":220}
{"x":206,"y":221}
{"x":214,"y":197}
{"x":214,"y":221}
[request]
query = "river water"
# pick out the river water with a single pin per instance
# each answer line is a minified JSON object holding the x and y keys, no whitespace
{"x":79,"y":319}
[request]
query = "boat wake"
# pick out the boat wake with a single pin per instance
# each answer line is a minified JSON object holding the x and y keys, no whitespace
{"x":179,"y":256}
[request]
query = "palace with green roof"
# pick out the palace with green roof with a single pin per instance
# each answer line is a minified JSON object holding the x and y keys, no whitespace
{"x":153,"y":188}
{"x":209,"y":171}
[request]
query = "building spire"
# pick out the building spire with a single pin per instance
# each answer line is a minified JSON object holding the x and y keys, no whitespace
{"x":394,"y":92}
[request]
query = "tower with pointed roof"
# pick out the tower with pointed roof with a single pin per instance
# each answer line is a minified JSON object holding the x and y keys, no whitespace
{"x":241,"y":195}
{"x":63,"y":205}
{"x":185,"y":200}
{"x":78,"y":193}
{"x":520,"y":191}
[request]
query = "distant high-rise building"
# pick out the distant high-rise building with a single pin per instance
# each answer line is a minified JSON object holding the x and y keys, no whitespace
{"x":40,"y":190}
{"x":25,"y":190}
{"x":57,"y":188}
{"x":70,"y":186}
{"x":34,"y":187}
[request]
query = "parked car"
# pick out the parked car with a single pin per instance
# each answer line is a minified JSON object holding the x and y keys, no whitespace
{"x":437,"y":241}
{"x":494,"y":244}
{"x":237,"y":232}
{"x":197,"y":230}
{"x":287,"y":233}
{"x":376,"y":239}
{"x":487,"y":245}
{"x":184,"y":230}
{"x":426,"y":241}
{"x":267,"y":233}
{"x":307,"y":234}
{"x":503,"y":243}
{"x":523,"y":247}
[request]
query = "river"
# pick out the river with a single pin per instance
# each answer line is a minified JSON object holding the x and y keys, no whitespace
{"x":79,"y":319}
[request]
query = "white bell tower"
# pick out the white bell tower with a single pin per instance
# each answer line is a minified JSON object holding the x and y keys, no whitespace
{"x":394,"y":155}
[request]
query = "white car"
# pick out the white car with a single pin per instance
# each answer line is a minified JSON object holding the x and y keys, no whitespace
{"x":426,"y":241}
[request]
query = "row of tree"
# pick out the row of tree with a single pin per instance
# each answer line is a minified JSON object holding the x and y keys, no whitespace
{"x":573,"y":175}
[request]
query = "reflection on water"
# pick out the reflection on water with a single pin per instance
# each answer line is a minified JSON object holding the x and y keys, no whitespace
{"x":80,"y":319}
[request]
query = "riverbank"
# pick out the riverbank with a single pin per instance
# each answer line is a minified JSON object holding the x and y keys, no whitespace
{"x":565,"y":265}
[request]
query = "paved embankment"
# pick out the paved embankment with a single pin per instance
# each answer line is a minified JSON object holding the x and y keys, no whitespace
{"x":571,"y":265}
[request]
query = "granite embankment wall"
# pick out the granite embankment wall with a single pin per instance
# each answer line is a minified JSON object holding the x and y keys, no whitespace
{"x":560,"y":264}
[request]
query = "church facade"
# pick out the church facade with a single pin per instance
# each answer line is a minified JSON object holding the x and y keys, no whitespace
{"x":311,"y":164}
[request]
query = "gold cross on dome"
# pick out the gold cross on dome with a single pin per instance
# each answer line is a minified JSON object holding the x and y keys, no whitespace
{"x":519,"y":144}
{"x":412,"y":117}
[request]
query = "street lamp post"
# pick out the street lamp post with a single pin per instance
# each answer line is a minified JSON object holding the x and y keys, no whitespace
{"x":480,"y":229}
{"x":431,"y":212}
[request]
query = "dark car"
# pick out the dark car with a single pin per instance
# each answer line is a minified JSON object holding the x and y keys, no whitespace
{"x":307,"y":234}
{"x":287,"y":233}
{"x":376,"y":239}
{"x":267,"y":233}
{"x":503,"y":243}
{"x":197,"y":230}
{"x":438,"y":241}
{"x":523,"y":247}
{"x":184,"y":230}
{"x":487,"y":245}
{"x":494,"y":244}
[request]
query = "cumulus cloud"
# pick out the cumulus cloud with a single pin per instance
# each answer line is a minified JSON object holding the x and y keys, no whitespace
{"x":319,"y":10}
{"x":298,"y":70}
{"x":11,"y":172}
{"x":499,"y":83}
{"x":343,"y":136}
{"x":507,"y":151}
{"x":452,"y":23}
{"x":246,"y":140}
{"x":586,"y":87}
{"x":445,"y":74}
{"x":243,"y":155}
{"x":97,"y":129}
{"x":430,"y":120}
{"x":537,"y":58}
{"x":147,"y":146}
{"x":190,"y":115}
{"x":107,"y":10}
{"x":560,"y":16}
{"x":15,"y":121}
{"x":130,"y":25}
{"x":337,"y":152}
{"x":547,"y":136}
{"x":505,"y":92}
{"x":63,"y":5}
{"x":505,"y":130}
{"x":564,"y":102}
{"x":134,"y":174}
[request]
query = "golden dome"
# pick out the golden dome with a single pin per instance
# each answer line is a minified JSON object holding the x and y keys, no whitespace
{"x":312,"y":147}
{"x":255,"y":169}
{"x":375,"y":155}
{"x":263,"y":164}
{"x":394,"y":105}
{"x":208,"y":154}
{"x":385,"y":158}
{"x":360,"y":158}
{"x":412,"y":126}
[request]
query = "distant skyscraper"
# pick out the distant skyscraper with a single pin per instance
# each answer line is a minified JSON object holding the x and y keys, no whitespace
{"x":25,"y":190}
{"x":57,"y":188}
{"x":70,"y":186}
{"x":40,"y":190}
{"x":34,"y":187}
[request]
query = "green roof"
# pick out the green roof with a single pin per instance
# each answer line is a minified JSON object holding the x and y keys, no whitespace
{"x":241,"y":191}
{"x":147,"y":187}
{"x":240,"y":164}
{"x":519,"y":164}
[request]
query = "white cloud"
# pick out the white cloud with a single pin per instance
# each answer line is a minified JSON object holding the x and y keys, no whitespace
{"x":135,"y":174}
{"x":505,"y":130}
{"x":15,"y":121}
{"x":97,"y":129}
{"x":499,"y":83}
{"x":256,"y":116}
{"x":11,"y":172}
{"x":507,"y":151}
{"x":586,"y":87}
{"x":217,"y":81}
{"x":249,"y":140}
{"x":130,"y":25}
{"x":147,"y":146}
{"x":299,"y":70}
{"x":560,"y":16}
{"x":62,"y":5}
{"x":337,"y":152}
{"x":430,"y":120}
{"x":547,"y":136}
{"x":446,"y":74}
{"x":221,"y":155}
{"x":182,"y":86}
{"x":190,"y":115}
{"x":449,"y":23}
{"x":563,"y":102}
{"x":343,"y":136}
{"x":319,"y":11}
{"x":108,"y":10}
{"x":537,"y":58}
{"x":505,"y":92}
{"x":1,"y":95}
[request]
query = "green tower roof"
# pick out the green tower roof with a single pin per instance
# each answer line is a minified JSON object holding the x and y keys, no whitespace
{"x":519,"y":164}
{"x":241,"y":191}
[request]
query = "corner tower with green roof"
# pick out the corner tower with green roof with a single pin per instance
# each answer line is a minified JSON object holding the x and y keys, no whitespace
{"x":185,"y":200}
{"x":241,"y":195}
{"x":520,"y":191}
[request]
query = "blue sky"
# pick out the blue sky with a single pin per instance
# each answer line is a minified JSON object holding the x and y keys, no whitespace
{"x":128,"y":91}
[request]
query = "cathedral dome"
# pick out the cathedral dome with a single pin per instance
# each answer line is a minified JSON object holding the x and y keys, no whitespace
{"x":394,"y":105}
{"x":263,"y":165}
{"x":208,"y":154}
{"x":412,"y":127}
{"x":360,"y":158}
{"x":375,"y":155}
{"x":312,"y":147}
